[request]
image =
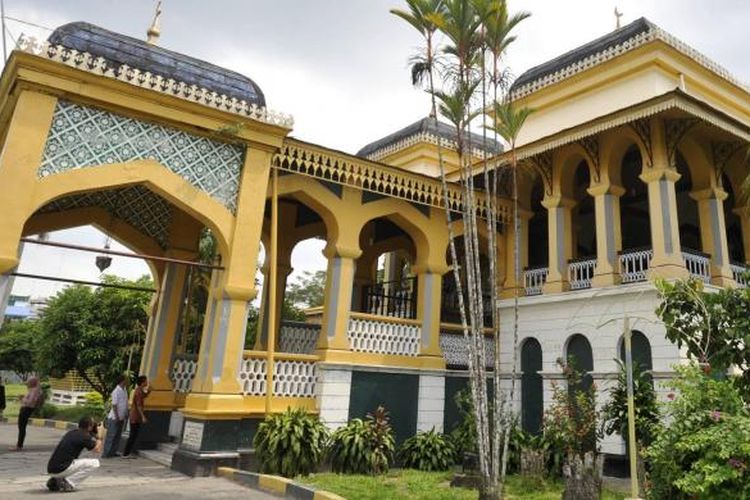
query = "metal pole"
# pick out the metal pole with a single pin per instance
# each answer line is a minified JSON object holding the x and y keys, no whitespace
{"x":632,"y":446}
{"x":271,"y":311}
{"x":2,"y":15}
{"x":81,"y":282}
{"x":106,"y":251}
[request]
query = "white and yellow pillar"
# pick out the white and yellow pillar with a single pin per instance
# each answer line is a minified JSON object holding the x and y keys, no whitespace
{"x":608,"y":234}
{"x":560,"y":225}
{"x":714,"y":233}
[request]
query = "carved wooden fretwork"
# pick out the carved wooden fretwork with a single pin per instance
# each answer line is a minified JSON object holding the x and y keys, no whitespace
{"x":675,"y":131}
{"x":642,"y":128}
{"x":306,"y":159}
{"x":591,"y":146}
{"x":721,"y":153}
{"x":542,"y":164}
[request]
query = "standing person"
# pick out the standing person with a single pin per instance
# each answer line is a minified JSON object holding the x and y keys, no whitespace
{"x":137,"y":415}
{"x":2,"y":398}
{"x":65,"y":468}
{"x":30,"y":402}
{"x":116,"y":418}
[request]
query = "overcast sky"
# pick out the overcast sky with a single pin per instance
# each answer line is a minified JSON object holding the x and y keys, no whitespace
{"x":340,"y":66}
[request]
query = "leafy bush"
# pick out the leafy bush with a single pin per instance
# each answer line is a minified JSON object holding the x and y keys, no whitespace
{"x":570,"y":423}
{"x":46,"y":410}
{"x":290,"y":443}
{"x":615,"y":412}
{"x":363,"y":446}
{"x":704,"y":452}
{"x":94,"y":405}
{"x":464,"y":436}
{"x":428,"y":451}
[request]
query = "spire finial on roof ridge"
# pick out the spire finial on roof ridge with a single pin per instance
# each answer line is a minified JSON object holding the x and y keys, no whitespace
{"x":154,"y":31}
{"x":618,"y":15}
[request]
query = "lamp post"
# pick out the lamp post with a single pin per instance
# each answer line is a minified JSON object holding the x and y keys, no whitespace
{"x":632,"y":446}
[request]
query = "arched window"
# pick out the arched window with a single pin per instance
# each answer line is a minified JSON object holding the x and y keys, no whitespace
{"x":584,"y":220}
{"x":640,"y":349}
{"x":733,"y":224}
{"x":687,"y":208}
{"x":578,"y":353}
{"x":532,"y":390}
{"x":538,"y":231}
{"x":634,"y":216}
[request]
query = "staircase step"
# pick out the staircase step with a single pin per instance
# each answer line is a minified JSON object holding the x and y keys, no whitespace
{"x":168,"y":447}
{"x":158,"y":456}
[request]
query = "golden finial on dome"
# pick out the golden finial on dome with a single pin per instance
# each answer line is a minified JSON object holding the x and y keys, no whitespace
{"x":154,"y":31}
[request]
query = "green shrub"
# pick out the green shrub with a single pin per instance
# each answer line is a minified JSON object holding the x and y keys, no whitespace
{"x":290,"y":443}
{"x":94,"y":405}
{"x":47,"y":410}
{"x":464,"y":436}
{"x":615,"y":412}
{"x":704,"y":451}
{"x":427,"y":451}
{"x":363,"y":446}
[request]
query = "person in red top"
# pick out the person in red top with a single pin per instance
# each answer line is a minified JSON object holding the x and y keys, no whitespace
{"x":137,"y":415}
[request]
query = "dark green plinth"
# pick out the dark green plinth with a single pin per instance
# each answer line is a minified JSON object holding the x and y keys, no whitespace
{"x":223,"y":443}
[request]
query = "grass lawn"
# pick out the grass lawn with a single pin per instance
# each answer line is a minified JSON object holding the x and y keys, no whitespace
{"x":12,"y":404}
{"x":418,"y":485}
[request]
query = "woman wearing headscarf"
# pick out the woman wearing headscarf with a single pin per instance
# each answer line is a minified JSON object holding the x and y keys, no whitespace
{"x":29,"y":403}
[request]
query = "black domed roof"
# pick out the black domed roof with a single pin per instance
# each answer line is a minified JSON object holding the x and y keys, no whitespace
{"x":121,"y":50}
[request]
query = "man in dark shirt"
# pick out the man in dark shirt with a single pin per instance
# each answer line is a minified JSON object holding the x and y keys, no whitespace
{"x":65,"y":468}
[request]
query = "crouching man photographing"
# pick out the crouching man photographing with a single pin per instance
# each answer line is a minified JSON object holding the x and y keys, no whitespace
{"x":65,"y":468}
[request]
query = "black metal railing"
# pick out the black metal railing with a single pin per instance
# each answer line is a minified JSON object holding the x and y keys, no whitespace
{"x":397,"y":299}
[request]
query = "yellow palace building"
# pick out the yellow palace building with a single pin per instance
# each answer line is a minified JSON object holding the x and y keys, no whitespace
{"x":637,"y":145}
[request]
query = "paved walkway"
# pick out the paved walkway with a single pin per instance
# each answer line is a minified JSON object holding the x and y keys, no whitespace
{"x":22,"y":475}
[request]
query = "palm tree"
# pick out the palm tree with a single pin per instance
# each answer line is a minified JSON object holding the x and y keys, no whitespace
{"x":508,"y":124}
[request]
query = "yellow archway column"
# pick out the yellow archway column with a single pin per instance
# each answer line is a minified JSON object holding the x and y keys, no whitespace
{"x":20,"y":159}
{"x":160,"y":343}
{"x":608,"y":234}
{"x":216,"y":387}
{"x":714,"y":233}
{"x":744,"y":214}
{"x":559,"y":226}
{"x":662,"y":205}
{"x":429,"y":298}
{"x":338,"y":300}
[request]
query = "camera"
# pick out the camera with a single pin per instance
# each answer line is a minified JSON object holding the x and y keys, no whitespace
{"x":94,"y":429}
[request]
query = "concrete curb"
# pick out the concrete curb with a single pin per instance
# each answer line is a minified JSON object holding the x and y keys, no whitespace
{"x":276,"y":485}
{"x":43,"y":422}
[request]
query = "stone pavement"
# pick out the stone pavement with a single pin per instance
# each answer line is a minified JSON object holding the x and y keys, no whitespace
{"x":22,"y":475}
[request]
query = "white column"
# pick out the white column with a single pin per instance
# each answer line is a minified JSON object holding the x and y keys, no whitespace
{"x":334,"y":389}
{"x":431,"y":403}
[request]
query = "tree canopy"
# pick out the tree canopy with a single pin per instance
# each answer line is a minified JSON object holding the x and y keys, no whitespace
{"x":17,"y":343}
{"x":95,"y":333}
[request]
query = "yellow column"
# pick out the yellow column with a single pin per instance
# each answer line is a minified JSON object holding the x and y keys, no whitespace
{"x":338,"y":300}
{"x":608,"y":234}
{"x":744,"y":214}
{"x":560,"y":242}
{"x":714,"y":233}
{"x":216,"y":387}
{"x":159,"y":350}
{"x":429,"y":295}
{"x":21,"y":156}
{"x":662,"y":205}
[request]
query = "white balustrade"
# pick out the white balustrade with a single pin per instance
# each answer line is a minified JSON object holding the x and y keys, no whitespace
{"x":634,"y":264}
{"x":298,"y":338}
{"x":384,"y":337}
{"x":698,"y":265}
{"x":739,"y":273}
{"x":534,"y":280}
{"x":580,"y":273}
{"x":292,"y":378}
{"x":184,"y":369}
